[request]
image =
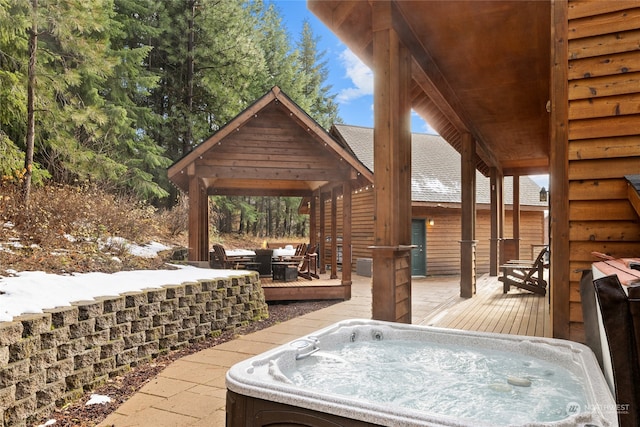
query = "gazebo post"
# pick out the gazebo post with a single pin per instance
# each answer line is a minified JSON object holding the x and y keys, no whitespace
{"x":313,"y":226}
{"x":198,"y":218}
{"x":334,"y":233}
{"x":391,"y":252}
{"x":323,"y":231}
{"x":346,"y":235}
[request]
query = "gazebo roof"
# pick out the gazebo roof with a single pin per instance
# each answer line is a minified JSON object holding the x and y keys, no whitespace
{"x":272,"y":148}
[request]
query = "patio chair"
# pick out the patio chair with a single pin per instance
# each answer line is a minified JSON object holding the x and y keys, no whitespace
{"x":218,"y":258}
{"x":309,"y":266}
{"x":523,"y":274}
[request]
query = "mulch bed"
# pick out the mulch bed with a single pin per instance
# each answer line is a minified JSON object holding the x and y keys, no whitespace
{"x":119,"y":389}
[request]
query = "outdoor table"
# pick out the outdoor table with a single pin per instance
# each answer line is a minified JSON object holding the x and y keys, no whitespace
{"x":284,"y":271}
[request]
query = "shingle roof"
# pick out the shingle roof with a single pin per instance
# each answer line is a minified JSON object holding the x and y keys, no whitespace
{"x":435,"y":169}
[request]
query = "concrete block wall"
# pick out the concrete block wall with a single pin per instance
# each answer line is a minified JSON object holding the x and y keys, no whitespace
{"x":49,"y":358}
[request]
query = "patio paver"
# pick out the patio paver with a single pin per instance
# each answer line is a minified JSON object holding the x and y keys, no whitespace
{"x":191,"y":390}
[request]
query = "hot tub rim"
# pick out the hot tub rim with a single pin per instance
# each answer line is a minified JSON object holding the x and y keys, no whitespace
{"x":362,"y":410}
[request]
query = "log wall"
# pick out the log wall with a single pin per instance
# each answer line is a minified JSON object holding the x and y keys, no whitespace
{"x":603,"y":136}
{"x":443,"y":250}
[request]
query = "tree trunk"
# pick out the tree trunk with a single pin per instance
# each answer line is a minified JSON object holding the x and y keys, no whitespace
{"x":31,"y":120}
{"x":188,"y":140}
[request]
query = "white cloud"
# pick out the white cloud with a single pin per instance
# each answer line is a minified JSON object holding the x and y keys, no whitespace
{"x":360,"y":75}
{"x":420,"y":125}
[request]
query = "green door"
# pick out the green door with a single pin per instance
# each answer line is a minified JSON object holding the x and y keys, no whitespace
{"x":419,"y":253}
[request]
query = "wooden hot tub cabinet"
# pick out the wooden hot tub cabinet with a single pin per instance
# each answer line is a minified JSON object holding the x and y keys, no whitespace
{"x":245,"y":411}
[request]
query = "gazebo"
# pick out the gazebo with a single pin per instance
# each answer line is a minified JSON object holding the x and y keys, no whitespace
{"x":272,"y":148}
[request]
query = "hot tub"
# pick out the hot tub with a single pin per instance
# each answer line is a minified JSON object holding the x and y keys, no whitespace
{"x":365,"y":372}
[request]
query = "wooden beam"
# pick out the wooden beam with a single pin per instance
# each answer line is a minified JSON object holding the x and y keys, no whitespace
{"x":260,"y":173}
{"x":468,"y":196}
{"x":559,"y":173}
{"x":435,"y":85}
{"x":233,"y":191}
{"x":391,"y":293}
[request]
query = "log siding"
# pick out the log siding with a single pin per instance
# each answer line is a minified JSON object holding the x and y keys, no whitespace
{"x":603,"y":137}
{"x":443,"y":252}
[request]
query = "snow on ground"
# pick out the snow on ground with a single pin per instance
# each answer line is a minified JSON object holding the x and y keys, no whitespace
{"x":97,"y":399}
{"x":33,"y":291}
{"x":147,"y":251}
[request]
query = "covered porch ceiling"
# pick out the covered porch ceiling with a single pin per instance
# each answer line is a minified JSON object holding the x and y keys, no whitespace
{"x":478,"y":67}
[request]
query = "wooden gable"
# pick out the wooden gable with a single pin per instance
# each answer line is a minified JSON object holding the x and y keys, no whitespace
{"x":271,"y":148}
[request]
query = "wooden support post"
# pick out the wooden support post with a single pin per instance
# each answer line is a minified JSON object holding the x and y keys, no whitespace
{"x":391,"y":292}
{"x":346,"y":235}
{"x":516,"y":215}
{"x":334,"y":233}
{"x":323,"y":235}
{"x":497,"y":205}
{"x":198,"y":219}
{"x":468,"y":242}
{"x":560,"y":270}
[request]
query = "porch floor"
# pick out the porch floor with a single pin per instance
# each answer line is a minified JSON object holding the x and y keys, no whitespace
{"x":518,"y":312}
{"x":436,"y":303}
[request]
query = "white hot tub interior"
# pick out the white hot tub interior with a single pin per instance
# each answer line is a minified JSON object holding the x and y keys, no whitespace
{"x":395,"y":374}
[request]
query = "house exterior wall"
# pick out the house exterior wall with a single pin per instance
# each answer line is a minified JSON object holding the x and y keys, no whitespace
{"x":603,"y":138}
{"x":443,"y":248}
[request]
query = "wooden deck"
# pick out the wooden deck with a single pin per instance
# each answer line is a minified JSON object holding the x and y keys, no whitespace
{"x":436,"y":302}
{"x":517,"y":312}
{"x":303,"y":289}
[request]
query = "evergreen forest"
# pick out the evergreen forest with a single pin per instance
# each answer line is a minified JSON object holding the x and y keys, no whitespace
{"x":109,"y":93}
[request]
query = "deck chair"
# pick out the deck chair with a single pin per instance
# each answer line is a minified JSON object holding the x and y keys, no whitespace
{"x":218,"y":258}
{"x":309,"y":266}
{"x":301,"y":249}
{"x":523,"y":274}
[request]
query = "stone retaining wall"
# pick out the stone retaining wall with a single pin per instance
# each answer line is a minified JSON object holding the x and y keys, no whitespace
{"x":49,"y":358}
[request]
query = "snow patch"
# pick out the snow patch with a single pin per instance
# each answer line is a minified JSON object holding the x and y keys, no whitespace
{"x":33,"y":291}
{"x":98,"y":399}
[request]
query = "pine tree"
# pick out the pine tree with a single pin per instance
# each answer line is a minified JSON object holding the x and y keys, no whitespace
{"x":85,"y":122}
{"x":313,"y":68}
{"x":14,"y":25}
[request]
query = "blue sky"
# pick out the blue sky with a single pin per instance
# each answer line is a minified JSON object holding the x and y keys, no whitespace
{"x":351,"y":80}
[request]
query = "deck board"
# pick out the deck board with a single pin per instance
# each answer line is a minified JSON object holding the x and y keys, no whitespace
{"x":517,"y":312}
{"x":303,"y":289}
